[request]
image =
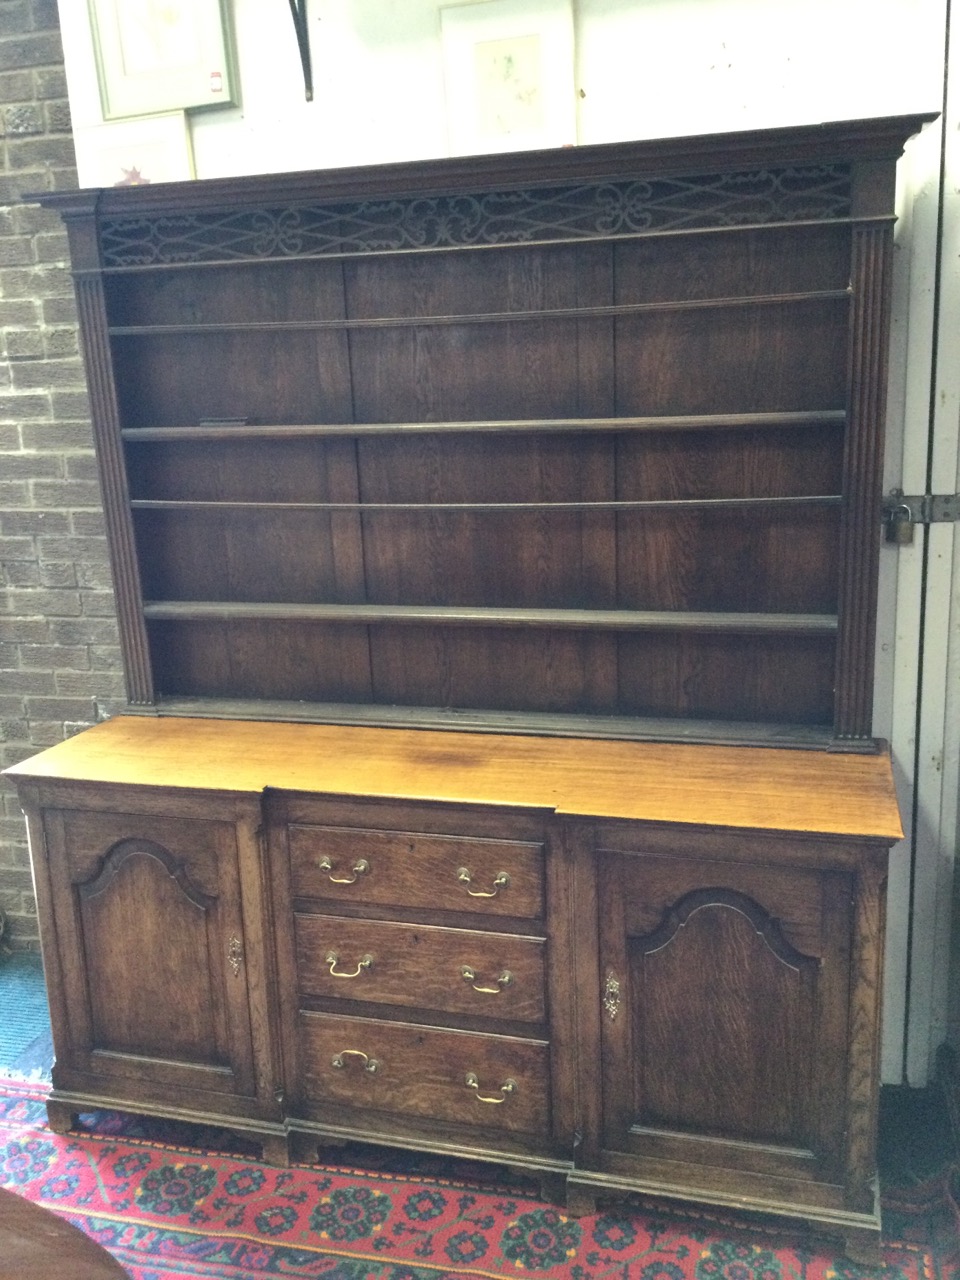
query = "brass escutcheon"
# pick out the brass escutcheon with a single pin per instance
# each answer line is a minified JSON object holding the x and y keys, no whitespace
{"x":235,"y":955}
{"x":611,"y":995}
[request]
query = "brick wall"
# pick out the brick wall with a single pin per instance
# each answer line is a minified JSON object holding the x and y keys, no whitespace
{"x":59,"y":656}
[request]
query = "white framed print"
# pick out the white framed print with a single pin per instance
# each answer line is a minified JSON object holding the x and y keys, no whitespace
{"x":134,"y":153}
{"x":162,"y":55}
{"x":508,"y":73}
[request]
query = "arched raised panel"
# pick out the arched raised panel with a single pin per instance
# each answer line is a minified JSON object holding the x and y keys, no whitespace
{"x":147,"y":936}
{"x":119,"y":853}
{"x":723,"y":1017}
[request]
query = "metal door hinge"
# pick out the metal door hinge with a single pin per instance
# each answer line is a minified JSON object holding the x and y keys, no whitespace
{"x":902,"y":511}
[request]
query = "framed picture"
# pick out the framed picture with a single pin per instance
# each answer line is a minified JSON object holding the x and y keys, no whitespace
{"x":134,"y":153}
{"x":508,"y":69}
{"x":162,"y":55}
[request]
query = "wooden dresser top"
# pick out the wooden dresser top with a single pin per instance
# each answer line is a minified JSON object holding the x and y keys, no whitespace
{"x":749,"y":787}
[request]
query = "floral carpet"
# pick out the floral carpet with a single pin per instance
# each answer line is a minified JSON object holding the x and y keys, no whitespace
{"x":178,"y":1208}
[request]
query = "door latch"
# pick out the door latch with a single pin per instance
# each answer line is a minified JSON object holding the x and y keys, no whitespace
{"x":901,"y":512}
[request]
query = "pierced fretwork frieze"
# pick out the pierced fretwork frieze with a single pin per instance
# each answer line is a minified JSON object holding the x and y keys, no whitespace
{"x":504,"y":217}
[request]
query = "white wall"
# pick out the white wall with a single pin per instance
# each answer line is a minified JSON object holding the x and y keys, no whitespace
{"x":653,"y":68}
{"x":644,"y":69}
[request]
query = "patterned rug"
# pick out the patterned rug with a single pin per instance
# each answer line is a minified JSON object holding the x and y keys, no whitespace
{"x":171,"y":1205}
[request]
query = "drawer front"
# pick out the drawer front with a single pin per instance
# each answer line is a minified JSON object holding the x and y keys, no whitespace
{"x":492,"y":975}
{"x":458,"y":1077}
{"x":414,"y":869}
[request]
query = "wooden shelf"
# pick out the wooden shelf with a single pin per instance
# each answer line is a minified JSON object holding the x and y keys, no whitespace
{"x":615,"y":504}
{"x":524,"y":426}
{"x":462,"y":616}
{"x":473,"y":318}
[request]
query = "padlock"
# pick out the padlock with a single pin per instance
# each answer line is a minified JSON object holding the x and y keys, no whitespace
{"x":898,"y":523}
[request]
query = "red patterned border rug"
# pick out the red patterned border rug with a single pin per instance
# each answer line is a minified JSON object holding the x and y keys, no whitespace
{"x":171,"y":1208}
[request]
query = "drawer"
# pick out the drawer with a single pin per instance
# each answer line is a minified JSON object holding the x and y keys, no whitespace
{"x":464,"y":971}
{"x":458,"y":1077}
{"x":419,"y":870}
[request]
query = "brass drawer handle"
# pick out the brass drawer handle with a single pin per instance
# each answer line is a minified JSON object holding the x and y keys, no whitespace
{"x":332,"y":958}
{"x":501,"y":881}
{"x":473,"y":1082}
{"x":469,"y":975}
{"x":360,"y":868}
{"x":369,"y":1064}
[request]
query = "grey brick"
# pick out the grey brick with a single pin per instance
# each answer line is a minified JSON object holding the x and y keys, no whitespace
{"x":45,"y":733}
{"x":54,"y":657}
{"x":88,"y":523}
{"x":33,"y":219}
{"x":90,"y":550}
{"x":34,"y":375}
{"x":40,"y":153}
{"x":18,"y":876}
{"x":23,"y":311}
{"x":26,"y":405}
{"x":25,"y":630}
{"x":81,"y":466}
{"x":52,"y":709}
{"x":9,"y":438}
{"x":92,"y":575}
{"x":66,"y":493}
{"x":52,"y":523}
{"x":44,"y":15}
{"x":64,"y":179}
{"x":51,"y":248}
{"x":61,"y":342}
{"x":21,"y":344}
{"x":15,"y":18}
{"x":44,"y":602}
{"x":70,"y":404}
{"x":38,"y":50}
{"x":29,"y":683}
{"x":98,"y":604}
{"x":56,"y":116}
{"x":96,"y":684}
{"x":9,"y":657}
{"x":27,"y":466}
{"x":45,"y":281}
{"x":22,"y":573}
{"x":14,"y":186}
{"x":14,"y":494}
{"x":106,"y":657}
{"x":16,"y":251}
{"x":57,"y":436}
{"x":16,"y":86}
{"x":85,"y":630}
{"x":13,"y":854}
{"x":60,"y":310}
{"x":17,"y":548}
{"x":58,"y":575}
{"x":50,"y":82}
{"x":23,"y":119}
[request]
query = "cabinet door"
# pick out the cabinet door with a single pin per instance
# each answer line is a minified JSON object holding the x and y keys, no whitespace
{"x":725,"y":991}
{"x":151,"y":948}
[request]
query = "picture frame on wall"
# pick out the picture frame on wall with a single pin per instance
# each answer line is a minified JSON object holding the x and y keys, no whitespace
{"x":509,"y":75}
{"x":134,"y":153}
{"x":155,"y":56}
